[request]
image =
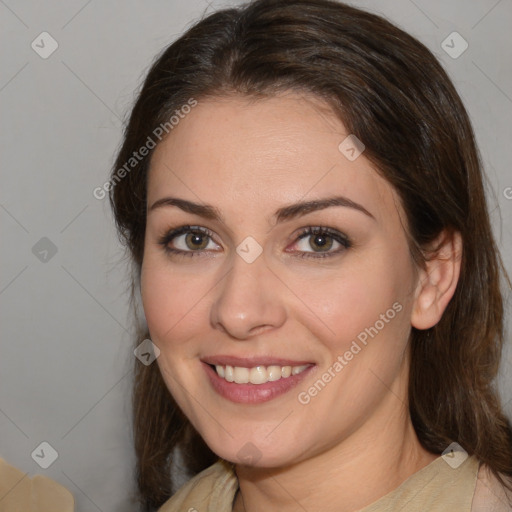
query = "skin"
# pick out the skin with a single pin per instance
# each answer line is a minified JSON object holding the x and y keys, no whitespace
{"x":248,"y":158}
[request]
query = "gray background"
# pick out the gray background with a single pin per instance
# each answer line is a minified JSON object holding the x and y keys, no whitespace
{"x":66,"y":345}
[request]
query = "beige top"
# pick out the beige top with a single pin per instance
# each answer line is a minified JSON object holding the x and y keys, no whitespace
{"x":20,"y":493}
{"x":435,"y":488}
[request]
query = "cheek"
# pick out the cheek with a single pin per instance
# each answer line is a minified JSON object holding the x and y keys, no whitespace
{"x":359,"y":297}
{"x":163,"y":298}
{"x":154,"y":298}
{"x":175,"y":304}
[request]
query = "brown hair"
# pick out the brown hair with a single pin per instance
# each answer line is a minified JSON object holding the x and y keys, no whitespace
{"x":390,"y":91}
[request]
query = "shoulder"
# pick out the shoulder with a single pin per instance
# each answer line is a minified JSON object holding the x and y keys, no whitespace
{"x":20,"y":492}
{"x":490,"y":495}
{"x":212,"y":489}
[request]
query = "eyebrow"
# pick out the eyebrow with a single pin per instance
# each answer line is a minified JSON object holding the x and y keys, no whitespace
{"x":282,"y":214}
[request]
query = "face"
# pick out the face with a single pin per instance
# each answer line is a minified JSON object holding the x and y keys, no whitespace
{"x":282,"y":320}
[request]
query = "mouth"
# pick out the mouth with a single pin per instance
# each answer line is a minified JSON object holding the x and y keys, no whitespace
{"x":258,"y":374}
{"x":252,"y":382}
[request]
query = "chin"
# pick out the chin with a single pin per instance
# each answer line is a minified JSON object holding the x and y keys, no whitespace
{"x":251,"y":453}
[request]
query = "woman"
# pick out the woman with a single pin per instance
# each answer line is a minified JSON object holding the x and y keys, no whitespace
{"x":301,"y":196}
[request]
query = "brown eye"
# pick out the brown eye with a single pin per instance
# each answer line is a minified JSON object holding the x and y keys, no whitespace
{"x":317,"y":242}
{"x":187,"y":241}
{"x":321,"y":242}
{"x":196,"y":241}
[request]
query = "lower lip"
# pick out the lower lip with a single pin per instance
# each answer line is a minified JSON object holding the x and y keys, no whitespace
{"x":253,"y":393}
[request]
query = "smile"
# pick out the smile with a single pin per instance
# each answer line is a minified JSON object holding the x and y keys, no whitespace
{"x":257,"y":374}
{"x":254,"y":384}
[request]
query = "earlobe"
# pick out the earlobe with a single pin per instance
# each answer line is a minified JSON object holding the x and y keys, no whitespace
{"x":438,"y":281}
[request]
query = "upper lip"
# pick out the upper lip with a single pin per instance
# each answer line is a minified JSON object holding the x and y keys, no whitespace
{"x":251,"y":362}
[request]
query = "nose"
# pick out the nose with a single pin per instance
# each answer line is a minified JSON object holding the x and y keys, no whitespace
{"x":248,"y":301}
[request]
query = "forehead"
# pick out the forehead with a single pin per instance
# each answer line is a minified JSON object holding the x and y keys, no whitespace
{"x":238,"y":152}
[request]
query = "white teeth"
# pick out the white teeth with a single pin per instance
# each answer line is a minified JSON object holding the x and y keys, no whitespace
{"x":258,"y":374}
{"x":275,"y":372}
{"x":241,"y":375}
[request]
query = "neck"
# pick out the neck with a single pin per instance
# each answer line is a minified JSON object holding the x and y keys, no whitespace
{"x":367,"y":465}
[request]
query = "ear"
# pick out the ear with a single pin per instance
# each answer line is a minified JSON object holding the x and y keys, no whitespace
{"x":438,"y":281}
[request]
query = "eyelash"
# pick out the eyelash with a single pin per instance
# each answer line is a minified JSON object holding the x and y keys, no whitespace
{"x":342,"y":239}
